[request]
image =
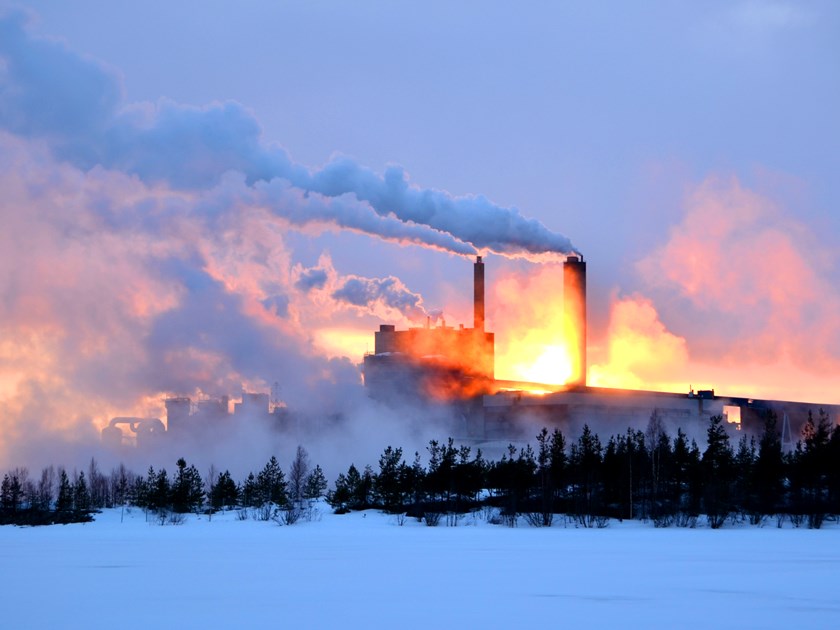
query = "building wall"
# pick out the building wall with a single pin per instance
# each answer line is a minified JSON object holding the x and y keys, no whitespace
{"x":466,"y":349}
{"x":512,"y":414}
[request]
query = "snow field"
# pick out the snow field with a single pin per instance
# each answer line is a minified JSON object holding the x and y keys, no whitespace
{"x":363,"y":570}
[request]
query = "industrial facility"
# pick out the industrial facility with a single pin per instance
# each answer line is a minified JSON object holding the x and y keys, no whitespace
{"x":456,"y":365}
{"x":187,"y":416}
{"x":454,"y":368}
{"x":440,"y":362}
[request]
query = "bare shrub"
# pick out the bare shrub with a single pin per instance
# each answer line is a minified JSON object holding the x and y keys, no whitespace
{"x":684,"y":519}
{"x":509,"y":519}
{"x":287,"y":516}
{"x":264,"y":512}
{"x":539,"y":519}
{"x":663,"y":520}
{"x":432,"y":519}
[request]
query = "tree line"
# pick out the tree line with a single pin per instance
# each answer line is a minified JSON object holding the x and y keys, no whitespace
{"x":647,"y":475}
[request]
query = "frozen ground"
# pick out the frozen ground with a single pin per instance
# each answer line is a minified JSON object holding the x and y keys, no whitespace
{"x":364,"y":570}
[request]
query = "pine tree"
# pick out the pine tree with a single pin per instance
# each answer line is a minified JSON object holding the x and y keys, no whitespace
{"x":813,"y":468}
{"x":315,"y":485}
{"x":159,"y":490}
{"x":585,"y":463}
{"x":64,"y":502}
{"x":81,"y":498}
{"x":718,"y":472}
{"x":45,"y":489}
{"x":746,"y":495}
{"x":341,"y":496}
{"x":659,"y":452}
{"x":271,"y":484}
{"x":224,"y":493}
{"x":187,"y":489}
{"x":388,"y":490}
{"x":546,"y":483}
{"x":834,"y":471}
{"x":251,"y":494}
{"x":415,"y":481}
{"x":6,"y":494}
{"x":180,"y":488}
{"x":558,"y":468}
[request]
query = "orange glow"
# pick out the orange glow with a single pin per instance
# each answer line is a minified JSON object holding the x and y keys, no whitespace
{"x":641,"y":352}
{"x":553,"y":366}
{"x":532,"y":336}
{"x":343,"y":342}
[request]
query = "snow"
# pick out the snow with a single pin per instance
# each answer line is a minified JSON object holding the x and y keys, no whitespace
{"x":365,"y":570}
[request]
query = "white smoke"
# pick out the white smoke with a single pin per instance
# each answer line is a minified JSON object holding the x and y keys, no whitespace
{"x":192,"y":148}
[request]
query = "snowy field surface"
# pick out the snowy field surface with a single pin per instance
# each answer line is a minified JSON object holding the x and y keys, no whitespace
{"x":364,"y":570}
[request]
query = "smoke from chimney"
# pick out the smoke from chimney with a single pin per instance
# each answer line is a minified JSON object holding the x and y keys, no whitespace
{"x":193,"y":148}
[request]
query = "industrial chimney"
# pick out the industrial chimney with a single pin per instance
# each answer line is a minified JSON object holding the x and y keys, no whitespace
{"x":574,"y":309}
{"x":478,"y":294}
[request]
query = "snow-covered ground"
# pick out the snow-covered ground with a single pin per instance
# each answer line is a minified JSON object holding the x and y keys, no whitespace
{"x":364,"y":570}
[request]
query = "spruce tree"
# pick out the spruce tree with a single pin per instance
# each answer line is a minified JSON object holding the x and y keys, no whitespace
{"x":585,"y":463}
{"x":387,"y":487}
{"x":315,"y":485}
{"x":224,"y":493}
{"x":341,"y":496}
{"x":81,"y":498}
{"x":271,"y":484}
{"x":251,"y":494}
{"x":64,"y":502}
{"x":718,"y":472}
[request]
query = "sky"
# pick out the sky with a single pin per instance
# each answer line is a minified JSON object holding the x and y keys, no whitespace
{"x":202,"y":197}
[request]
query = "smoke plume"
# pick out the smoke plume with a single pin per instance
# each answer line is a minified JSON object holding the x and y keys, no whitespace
{"x":192,"y":148}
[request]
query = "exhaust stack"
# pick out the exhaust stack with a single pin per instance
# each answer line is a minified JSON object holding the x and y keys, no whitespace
{"x":478,"y":294}
{"x":574,"y":309}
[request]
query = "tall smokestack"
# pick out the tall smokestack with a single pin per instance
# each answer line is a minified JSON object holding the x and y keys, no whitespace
{"x":478,"y":294}
{"x":574,"y":309}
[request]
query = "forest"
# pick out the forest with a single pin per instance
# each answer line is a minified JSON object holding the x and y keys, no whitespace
{"x":646,"y":475}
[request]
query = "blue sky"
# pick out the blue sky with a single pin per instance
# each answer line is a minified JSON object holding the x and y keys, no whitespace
{"x":593,"y":118}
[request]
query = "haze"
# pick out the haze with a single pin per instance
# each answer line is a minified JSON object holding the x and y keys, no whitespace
{"x":200,"y":198}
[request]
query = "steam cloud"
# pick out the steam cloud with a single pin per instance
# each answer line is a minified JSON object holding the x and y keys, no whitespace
{"x":144,"y":249}
{"x":191,"y":148}
{"x":390,"y":292}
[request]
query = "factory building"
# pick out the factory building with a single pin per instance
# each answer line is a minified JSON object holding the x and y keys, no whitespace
{"x":185,"y":416}
{"x":440,"y":362}
{"x":457,"y":365}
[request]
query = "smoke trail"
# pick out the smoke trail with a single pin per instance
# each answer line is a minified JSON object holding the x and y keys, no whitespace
{"x":191,"y":148}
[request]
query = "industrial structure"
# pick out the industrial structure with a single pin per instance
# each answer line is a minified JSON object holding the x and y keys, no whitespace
{"x":440,"y":362}
{"x":186,"y":416}
{"x":456,"y":365}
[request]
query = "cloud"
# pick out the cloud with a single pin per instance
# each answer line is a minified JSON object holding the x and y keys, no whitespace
{"x":114,"y":293}
{"x":641,"y":352}
{"x":752,"y":278}
{"x":741,"y":297}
